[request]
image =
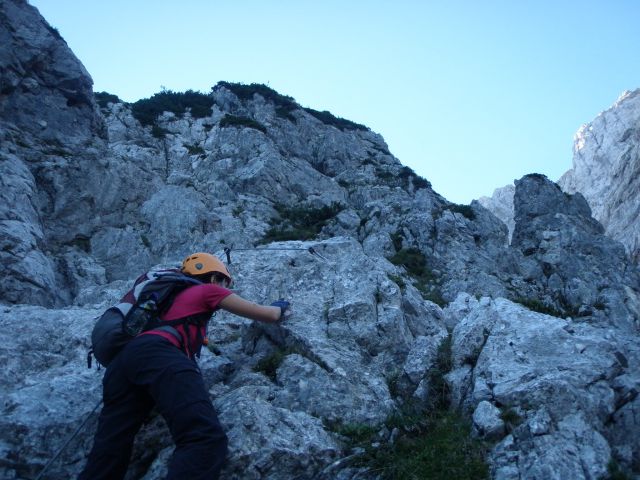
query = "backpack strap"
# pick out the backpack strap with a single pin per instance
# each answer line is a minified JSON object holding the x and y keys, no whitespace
{"x":198,"y":319}
{"x":169,"y":329}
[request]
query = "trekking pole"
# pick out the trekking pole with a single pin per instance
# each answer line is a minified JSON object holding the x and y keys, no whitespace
{"x":68,"y":441}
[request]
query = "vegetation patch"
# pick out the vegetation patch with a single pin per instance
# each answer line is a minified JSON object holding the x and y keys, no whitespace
{"x":408,"y":177}
{"x":54,"y":147}
{"x":616,"y":472}
{"x":241,"y":122}
{"x":237,"y":211}
{"x":538,"y":306}
{"x":270,"y":364}
{"x":104,"y":98}
{"x":300,"y":223}
{"x":397,"y":239}
{"x":397,"y":279}
{"x":442,"y":449}
{"x":81,"y":242}
{"x":284,"y":104}
{"x":147,"y":110}
{"x":158,"y":132}
{"x":465,"y":210}
{"x":384,"y":174}
{"x":568,"y":309}
{"x":440,"y":399}
{"x":415,"y":263}
{"x":194,"y":149}
{"x":510,"y":417}
{"x":432,"y":442}
{"x":340,"y":123}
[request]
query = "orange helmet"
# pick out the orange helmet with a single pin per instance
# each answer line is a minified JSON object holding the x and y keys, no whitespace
{"x":199,"y":263}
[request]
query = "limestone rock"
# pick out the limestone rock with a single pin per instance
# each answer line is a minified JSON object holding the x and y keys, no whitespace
{"x":487,"y":422}
{"x":91,"y":198}
{"x":606,"y":170}
{"x":501,"y":205}
{"x":559,"y":383}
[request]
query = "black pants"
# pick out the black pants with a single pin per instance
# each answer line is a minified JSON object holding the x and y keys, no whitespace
{"x":151,"y":371}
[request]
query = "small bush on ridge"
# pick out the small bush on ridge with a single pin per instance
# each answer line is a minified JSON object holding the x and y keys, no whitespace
{"x":147,"y":110}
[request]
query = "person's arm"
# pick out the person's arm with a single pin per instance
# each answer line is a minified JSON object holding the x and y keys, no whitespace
{"x":239,"y":306}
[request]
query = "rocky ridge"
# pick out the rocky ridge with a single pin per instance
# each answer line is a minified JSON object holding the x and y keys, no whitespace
{"x":606,"y":166}
{"x":93,"y":197}
{"x":606,"y":170}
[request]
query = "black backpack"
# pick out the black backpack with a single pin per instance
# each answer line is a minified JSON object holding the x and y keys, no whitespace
{"x":138,"y":311}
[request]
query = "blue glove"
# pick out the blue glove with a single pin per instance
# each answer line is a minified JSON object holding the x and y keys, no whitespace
{"x":283,"y":305}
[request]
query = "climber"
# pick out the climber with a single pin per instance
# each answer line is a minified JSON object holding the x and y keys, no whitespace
{"x":157,"y":369}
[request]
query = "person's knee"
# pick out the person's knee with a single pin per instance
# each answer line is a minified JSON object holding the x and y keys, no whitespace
{"x":201,"y":444}
{"x":198,"y":424}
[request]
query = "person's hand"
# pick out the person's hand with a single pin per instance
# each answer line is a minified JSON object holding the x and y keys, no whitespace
{"x":284,"y":306}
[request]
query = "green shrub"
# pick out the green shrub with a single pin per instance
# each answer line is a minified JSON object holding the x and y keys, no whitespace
{"x":510,"y":417}
{"x":413,"y":260}
{"x":465,"y":210}
{"x":615,"y":472}
{"x":236,"y":121}
{"x":300,"y":223}
{"x":599,"y":305}
{"x":158,"y":132}
{"x":431,"y":292}
{"x":237,"y":211}
{"x":409,"y":176}
{"x":269,"y":365}
{"x":145,"y":241}
{"x":340,"y":123}
{"x":284,"y":105}
{"x":538,"y":306}
{"x":82,"y":242}
{"x":415,"y":263}
{"x":419,"y":182}
{"x":147,"y":110}
{"x":383,"y":174}
{"x":104,"y":98}
{"x":432,"y":442}
{"x":194,"y":149}
{"x":405,"y":178}
{"x":397,"y":280}
{"x":397,"y":239}
{"x":568,"y":309}
{"x":440,"y":394}
{"x":53,"y":147}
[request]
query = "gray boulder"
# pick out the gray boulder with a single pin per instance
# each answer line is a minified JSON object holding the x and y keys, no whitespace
{"x":558,"y":385}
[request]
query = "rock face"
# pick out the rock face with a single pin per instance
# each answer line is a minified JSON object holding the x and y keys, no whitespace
{"x":501,"y":205}
{"x":606,"y":171}
{"x":354,"y":332}
{"x":584,"y":273}
{"x":565,"y":390}
{"x":92,"y":197}
{"x":50,"y":135}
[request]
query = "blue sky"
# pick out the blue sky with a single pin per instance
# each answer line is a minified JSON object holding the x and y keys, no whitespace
{"x":470,"y":94}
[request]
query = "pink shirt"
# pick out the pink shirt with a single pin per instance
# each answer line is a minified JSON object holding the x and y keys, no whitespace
{"x":194,"y":300}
